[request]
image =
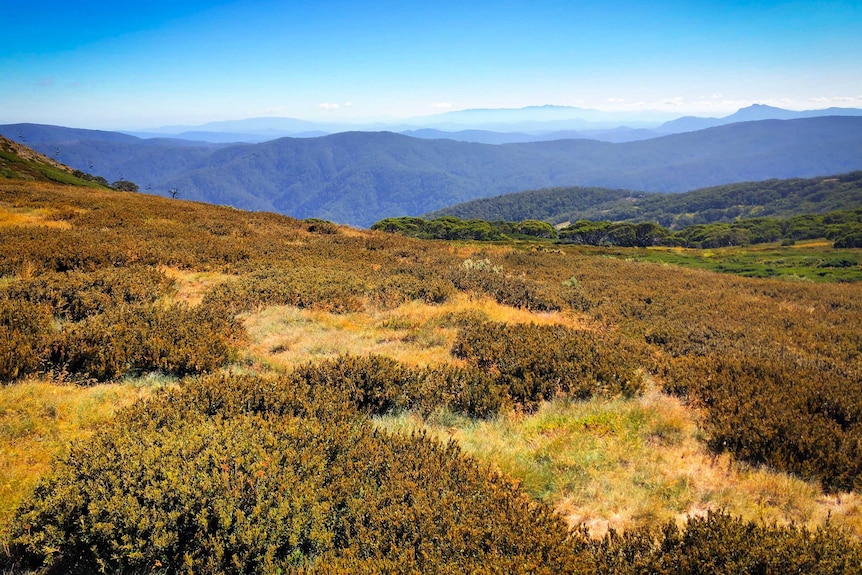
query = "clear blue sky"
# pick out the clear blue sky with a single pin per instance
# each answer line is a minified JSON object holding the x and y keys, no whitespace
{"x":108,"y":64}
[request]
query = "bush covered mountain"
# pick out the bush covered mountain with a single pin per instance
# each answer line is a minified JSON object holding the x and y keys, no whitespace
{"x":359,"y":178}
{"x":773,"y":198}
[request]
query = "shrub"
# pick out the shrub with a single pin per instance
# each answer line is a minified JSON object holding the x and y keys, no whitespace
{"x":177,"y":340}
{"x":186,"y":485}
{"x":721,"y":544}
{"x":536,"y":362}
{"x":75,"y":296}
{"x":505,"y":289}
{"x":465,"y":390}
{"x":25,"y":330}
{"x":315,"y":288}
{"x":797,"y":418}
{"x":851,"y":240}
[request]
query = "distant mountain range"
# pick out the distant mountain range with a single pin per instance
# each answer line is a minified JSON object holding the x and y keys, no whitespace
{"x":752,"y":113}
{"x":492,"y":126}
{"x":359,"y":178}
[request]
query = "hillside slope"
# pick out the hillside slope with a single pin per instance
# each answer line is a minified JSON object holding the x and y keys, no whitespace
{"x":774,"y":198}
{"x":22,"y":163}
{"x":360,"y":177}
{"x":278,"y":354}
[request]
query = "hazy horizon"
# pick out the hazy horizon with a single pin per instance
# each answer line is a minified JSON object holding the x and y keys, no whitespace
{"x":103,"y":65}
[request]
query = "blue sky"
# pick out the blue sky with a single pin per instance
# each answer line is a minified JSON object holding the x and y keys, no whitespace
{"x":140,"y":65}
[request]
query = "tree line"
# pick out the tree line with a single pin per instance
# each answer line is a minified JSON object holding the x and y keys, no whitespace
{"x":843,"y":227}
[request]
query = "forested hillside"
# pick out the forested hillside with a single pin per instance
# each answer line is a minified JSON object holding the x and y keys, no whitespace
{"x":770,"y":198}
{"x":359,"y":178}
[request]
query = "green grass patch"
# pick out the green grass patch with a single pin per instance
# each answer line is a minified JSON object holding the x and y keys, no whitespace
{"x":13,"y":166}
{"x":628,"y":463}
{"x":808,"y":262}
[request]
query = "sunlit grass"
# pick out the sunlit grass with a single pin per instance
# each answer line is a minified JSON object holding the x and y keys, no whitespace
{"x":39,"y":420}
{"x":30,"y":217}
{"x":623,"y":463}
{"x":812,"y":260}
{"x":414,"y":333}
{"x":190,"y":286}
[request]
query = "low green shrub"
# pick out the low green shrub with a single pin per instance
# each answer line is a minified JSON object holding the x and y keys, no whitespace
{"x":74,"y":296}
{"x":799,"y":418}
{"x":177,"y":340}
{"x":313,"y":288}
{"x":509,"y":290}
{"x":219,"y":477}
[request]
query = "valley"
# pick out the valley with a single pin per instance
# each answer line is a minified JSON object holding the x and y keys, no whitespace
{"x":358,"y":178}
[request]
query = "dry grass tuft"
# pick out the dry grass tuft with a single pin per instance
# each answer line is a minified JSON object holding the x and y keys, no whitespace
{"x":190,"y":286}
{"x":413,"y":333}
{"x":40,"y":419}
{"x":31,"y":217}
{"x":624,"y":463}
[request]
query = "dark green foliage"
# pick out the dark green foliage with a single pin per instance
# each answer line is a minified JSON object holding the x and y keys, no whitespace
{"x":443,"y":228}
{"x":849,"y":240}
{"x":125,"y":186}
{"x":722,"y":545}
{"x":99,"y":180}
{"x":607,"y":233}
{"x":535,"y":362}
{"x":727,"y":203}
{"x":224,"y":477}
{"x":544,"y":204}
{"x":844,"y":226}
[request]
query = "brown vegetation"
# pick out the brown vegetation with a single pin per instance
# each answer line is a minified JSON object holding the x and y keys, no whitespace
{"x":775,"y":367}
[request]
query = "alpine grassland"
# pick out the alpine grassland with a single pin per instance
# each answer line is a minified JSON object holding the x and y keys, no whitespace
{"x":189,"y":388}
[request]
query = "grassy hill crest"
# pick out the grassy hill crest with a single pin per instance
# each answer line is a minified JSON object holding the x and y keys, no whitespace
{"x":21,"y":162}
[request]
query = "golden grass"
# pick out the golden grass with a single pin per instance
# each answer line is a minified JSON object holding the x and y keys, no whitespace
{"x":190,"y":286}
{"x":414,"y":333}
{"x":624,"y":463}
{"x":819,"y":243}
{"x":10,"y":216}
{"x":38,"y":422}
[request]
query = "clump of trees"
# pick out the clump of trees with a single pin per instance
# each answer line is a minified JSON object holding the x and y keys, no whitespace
{"x":843,"y":227}
{"x":125,"y":186}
